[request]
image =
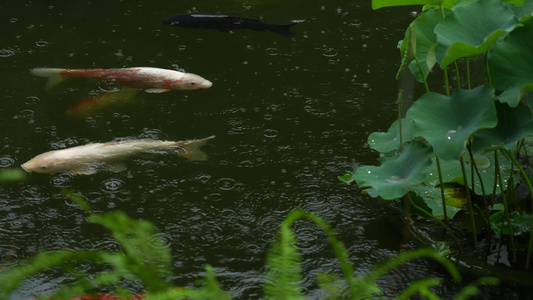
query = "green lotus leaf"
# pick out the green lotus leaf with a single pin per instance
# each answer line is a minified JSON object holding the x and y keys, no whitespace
{"x":472,"y":29}
{"x":347,"y":178}
{"x":376,"y":4}
{"x":389,"y":141}
{"x":426,"y":41}
{"x":516,"y":2}
{"x":521,"y":8}
{"x":408,"y":49}
{"x":448,"y":122}
{"x":393,"y":178}
{"x":520,"y":223}
{"x":513,"y":125}
{"x":510,"y":63}
{"x":432,"y":198}
{"x":452,"y":173}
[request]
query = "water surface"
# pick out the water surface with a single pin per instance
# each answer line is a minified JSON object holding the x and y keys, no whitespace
{"x":289,"y":115}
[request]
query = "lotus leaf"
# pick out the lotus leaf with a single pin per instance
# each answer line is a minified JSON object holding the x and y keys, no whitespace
{"x":448,"y":122}
{"x":431,"y":196}
{"x":389,"y":141}
{"x":513,"y":125}
{"x":472,"y":29}
{"x":452,"y":173}
{"x":393,"y":178}
{"x":426,"y":41}
{"x":520,"y":223}
{"x":510,"y":63}
{"x":376,"y":4}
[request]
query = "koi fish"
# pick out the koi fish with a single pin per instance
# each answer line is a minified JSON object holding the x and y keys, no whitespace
{"x":153,"y":80}
{"x":225,"y":23}
{"x":90,"y":158}
{"x":89,"y":106}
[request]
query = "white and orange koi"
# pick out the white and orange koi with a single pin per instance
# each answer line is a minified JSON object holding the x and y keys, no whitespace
{"x":153,"y":80}
{"x":90,"y":158}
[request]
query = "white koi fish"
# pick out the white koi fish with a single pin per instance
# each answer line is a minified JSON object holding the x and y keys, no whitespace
{"x":90,"y":158}
{"x":153,"y":80}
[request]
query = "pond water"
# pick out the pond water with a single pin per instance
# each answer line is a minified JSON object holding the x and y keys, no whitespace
{"x":289,"y":116}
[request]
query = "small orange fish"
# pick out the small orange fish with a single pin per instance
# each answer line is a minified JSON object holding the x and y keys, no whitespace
{"x":153,"y":80}
{"x":89,"y":106}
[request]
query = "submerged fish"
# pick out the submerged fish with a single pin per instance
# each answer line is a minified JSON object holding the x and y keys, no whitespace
{"x":90,"y":158}
{"x":153,"y":80}
{"x":225,"y":23}
{"x":104,"y":102}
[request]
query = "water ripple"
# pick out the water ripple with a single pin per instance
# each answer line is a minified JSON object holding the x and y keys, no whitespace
{"x":112,"y":185}
{"x":161,"y":240}
{"x":226,"y":184}
{"x":6,"y":161}
{"x":6,"y":52}
{"x":270,"y":133}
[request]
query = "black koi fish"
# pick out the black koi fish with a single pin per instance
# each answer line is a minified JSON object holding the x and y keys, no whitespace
{"x":225,"y":23}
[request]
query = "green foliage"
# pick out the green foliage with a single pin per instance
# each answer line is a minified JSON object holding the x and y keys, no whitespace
{"x":509,"y":65}
{"x":143,"y":258}
{"x":386,"y":142}
{"x":12,"y":175}
{"x":425,"y":43}
{"x":477,"y":137}
{"x":392,"y":179}
{"x":448,"y":122}
{"x":151,"y":265}
{"x":519,"y":223}
{"x":471,"y":30}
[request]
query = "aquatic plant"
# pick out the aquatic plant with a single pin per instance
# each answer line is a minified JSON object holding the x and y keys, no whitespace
{"x":477,"y":138}
{"x":151,"y":265}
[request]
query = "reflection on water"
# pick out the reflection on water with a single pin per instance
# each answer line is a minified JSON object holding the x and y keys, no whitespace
{"x":289,"y":114}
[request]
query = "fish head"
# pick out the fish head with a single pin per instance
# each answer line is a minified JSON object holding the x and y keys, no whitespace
{"x":191,"y":81}
{"x":44,"y":163}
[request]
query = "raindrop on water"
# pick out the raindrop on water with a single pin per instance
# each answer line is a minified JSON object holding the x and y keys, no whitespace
{"x":113,"y":184}
{"x":6,"y":161}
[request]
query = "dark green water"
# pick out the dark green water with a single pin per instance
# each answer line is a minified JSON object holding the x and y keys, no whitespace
{"x":289,"y":115}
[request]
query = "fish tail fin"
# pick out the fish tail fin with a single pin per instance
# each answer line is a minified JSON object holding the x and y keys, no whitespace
{"x":192,"y":149}
{"x":284,"y":30}
{"x":53,"y":74}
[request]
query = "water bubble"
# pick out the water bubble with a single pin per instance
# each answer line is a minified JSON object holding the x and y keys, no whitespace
{"x":394,"y":179}
{"x":450,"y":133}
